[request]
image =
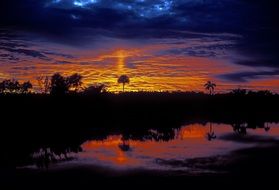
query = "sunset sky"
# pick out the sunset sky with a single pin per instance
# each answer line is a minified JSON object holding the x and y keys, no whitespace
{"x":160,"y":44}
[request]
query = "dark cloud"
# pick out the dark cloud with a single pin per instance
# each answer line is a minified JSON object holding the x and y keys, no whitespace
{"x":137,"y":18}
{"x":64,"y":15}
{"x":213,"y":49}
{"x":27,"y":52}
{"x":206,"y":15}
{"x":76,"y":21}
{"x":17,"y":47}
{"x":8,"y":56}
{"x":58,"y":54}
{"x":262,"y":61}
{"x":245,"y":76}
{"x":12,"y":46}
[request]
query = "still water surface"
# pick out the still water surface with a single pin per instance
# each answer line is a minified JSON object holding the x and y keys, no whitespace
{"x":120,"y":152}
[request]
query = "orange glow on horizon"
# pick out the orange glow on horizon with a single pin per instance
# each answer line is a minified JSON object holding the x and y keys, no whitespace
{"x":146,"y":71}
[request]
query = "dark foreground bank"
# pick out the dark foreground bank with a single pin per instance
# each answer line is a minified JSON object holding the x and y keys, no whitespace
{"x":34,"y":122}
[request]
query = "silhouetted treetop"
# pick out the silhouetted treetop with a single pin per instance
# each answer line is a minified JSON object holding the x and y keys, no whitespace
{"x":74,"y":81}
{"x":124,"y":79}
{"x":13,"y":86}
{"x":26,"y":86}
{"x":44,"y":83}
{"x":239,"y":92}
{"x":210,"y":86}
{"x":60,"y":85}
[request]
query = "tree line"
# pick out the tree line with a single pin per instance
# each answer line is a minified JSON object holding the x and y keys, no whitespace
{"x":58,"y":84}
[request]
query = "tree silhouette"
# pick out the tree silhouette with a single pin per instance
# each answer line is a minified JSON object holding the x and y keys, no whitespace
{"x":26,"y":86}
{"x":58,"y":85}
{"x":124,"y":79}
{"x":240,"y":128}
{"x":210,"y":86}
{"x":61,"y":85}
{"x":125,"y":145}
{"x":44,"y":83}
{"x":2,"y":87}
{"x":211,"y":134}
{"x":74,"y":81}
{"x":266,"y":127}
{"x":13,"y":86}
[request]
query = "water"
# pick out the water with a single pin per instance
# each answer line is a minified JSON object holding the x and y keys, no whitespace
{"x":162,"y":150}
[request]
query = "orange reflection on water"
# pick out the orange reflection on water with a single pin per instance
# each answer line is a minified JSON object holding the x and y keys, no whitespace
{"x":111,"y":146}
{"x":193,"y":131}
{"x":189,"y":142}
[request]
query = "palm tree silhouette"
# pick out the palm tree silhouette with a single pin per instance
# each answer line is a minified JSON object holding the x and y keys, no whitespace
{"x":266,"y":127}
{"x":124,"y":145}
{"x":210,"y":86}
{"x":124,"y":79}
{"x":211,"y":134}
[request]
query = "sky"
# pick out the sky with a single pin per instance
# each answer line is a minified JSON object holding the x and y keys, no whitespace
{"x":160,"y":44}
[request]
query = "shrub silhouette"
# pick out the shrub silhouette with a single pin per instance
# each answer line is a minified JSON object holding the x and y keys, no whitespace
{"x":261,"y":93}
{"x":93,"y":90}
{"x":239,"y":92}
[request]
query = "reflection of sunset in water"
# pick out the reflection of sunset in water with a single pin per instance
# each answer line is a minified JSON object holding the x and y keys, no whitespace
{"x":189,"y":142}
{"x":110,"y":146}
{"x":194,"y":131}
